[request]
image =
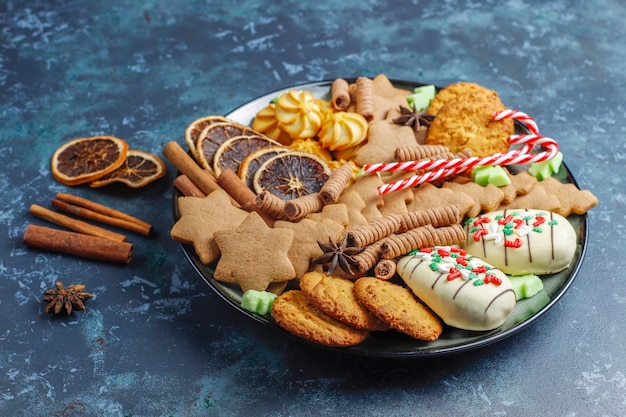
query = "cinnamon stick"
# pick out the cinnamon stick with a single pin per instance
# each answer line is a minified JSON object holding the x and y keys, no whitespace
{"x":187,"y":166}
{"x":101,"y":209}
{"x":187,"y":187}
{"x":74,"y":224}
{"x":102,"y":218}
{"x":241,"y":193}
{"x":78,"y":244}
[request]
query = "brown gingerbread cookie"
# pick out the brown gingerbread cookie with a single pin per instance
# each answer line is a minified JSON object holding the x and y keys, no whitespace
{"x":295,"y":313}
{"x":397,"y":306}
{"x":335,"y":297}
{"x":254,"y":255}
{"x":200,"y":217}
{"x":467,"y":122}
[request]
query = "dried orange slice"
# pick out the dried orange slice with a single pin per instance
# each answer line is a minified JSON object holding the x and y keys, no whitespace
{"x":139,"y":169}
{"x":291,"y":175}
{"x":213,"y":136}
{"x":86,"y":159}
{"x":233,"y":151}
{"x":196,"y":127}
{"x":253,"y":162}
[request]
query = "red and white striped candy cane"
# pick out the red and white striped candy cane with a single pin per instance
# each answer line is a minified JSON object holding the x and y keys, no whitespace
{"x":444,"y":167}
{"x":520,"y":116}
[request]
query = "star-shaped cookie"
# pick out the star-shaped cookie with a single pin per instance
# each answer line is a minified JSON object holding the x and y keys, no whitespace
{"x":306,"y":234}
{"x":200,"y":217}
{"x":254,"y":255}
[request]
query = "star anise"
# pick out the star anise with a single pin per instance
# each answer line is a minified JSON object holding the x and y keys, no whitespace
{"x":413,"y":119}
{"x":338,"y":255}
{"x":72,"y":297}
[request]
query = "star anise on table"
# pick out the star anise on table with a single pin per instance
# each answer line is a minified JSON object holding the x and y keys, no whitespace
{"x":338,"y":255}
{"x":72,"y":297}
{"x":413,"y":119}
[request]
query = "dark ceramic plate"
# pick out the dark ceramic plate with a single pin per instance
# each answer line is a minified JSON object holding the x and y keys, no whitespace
{"x":390,"y":344}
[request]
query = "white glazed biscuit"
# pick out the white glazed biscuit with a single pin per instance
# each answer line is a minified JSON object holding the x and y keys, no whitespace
{"x":465,"y":292}
{"x":522,"y":241}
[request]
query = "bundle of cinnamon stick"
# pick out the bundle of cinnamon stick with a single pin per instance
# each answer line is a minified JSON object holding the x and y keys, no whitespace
{"x":84,"y":239}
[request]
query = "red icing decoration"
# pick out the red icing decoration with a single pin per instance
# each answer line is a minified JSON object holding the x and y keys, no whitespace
{"x":427,"y":250}
{"x":517,"y":243}
{"x":479,"y":233}
{"x":539,"y":220}
{"x":505,"y":220}
{"x":453,"y":274}
{"x":481,"y":220}
{"x":480,"y":269}
{"x":492,"y":279}
{"x":518,"y":223}
{"x":443,"y":253}
{"x":462,"y":261}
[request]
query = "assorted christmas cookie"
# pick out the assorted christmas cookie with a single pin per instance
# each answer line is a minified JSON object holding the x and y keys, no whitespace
{"x":464,"y":291}
{"x":522,"y":241}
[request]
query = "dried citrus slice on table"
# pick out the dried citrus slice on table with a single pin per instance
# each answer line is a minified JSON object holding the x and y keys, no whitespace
{"x":86,"y":159}
{"x":231,"y":153}
{"x":291,"y":175}
{"x":253,"y":162}
{"x":139,"y":169}
{"x":196,"y":127}
{"x":213,"y":136}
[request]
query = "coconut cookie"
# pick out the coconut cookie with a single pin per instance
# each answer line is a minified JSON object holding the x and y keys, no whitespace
{"x":464,"y":291}
{"x":398,"y":307}
{"x":522,"y":241}
{"x":295,"y":313}
{"x":335,"y":296}
{"x":467,"y":123}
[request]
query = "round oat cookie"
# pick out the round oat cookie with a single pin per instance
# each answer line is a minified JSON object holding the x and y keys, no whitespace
{"x":453,"y":91}
{"x":294,"y":313}
{"x":335,"y":297}
{"x":467,"y":123}
{"x":397,"y":306}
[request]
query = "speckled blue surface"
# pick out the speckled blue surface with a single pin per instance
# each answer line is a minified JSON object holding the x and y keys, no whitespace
{"x":155,"y":341}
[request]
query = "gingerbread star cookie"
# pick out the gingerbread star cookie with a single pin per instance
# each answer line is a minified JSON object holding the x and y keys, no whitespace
{"x":571,"y":198}
{"x":201,"y":217}
{"x":254,"y":255}
{"x":306,"y":234}
{"x":379,"y":146}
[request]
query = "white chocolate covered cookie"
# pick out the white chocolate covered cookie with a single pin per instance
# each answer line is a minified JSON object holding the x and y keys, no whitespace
{"x":522,"y":241}
{"x":464,"y":291}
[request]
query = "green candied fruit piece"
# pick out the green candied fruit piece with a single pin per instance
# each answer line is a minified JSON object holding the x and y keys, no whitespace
{"x":545,"y":169}
{"x":525,"y":286}
{"x":492,"y":174}
{"x":259,"y":302}
{"x":421,"y":97}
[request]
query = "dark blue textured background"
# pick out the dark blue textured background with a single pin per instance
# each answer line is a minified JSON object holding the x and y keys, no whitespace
{"x":155,"y":341}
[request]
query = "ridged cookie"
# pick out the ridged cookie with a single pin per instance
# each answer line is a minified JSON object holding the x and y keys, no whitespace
{"x":467,"y":123}
{"x":397,"y":306}
{"x":296,"y":314}
{"x":335,"y":297}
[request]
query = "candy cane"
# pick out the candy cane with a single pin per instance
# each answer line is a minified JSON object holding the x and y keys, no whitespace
{"x":520,"y":116}
{"x":446,"y":167}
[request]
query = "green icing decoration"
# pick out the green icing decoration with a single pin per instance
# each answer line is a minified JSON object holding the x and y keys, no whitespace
{"x":545,"y":169}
